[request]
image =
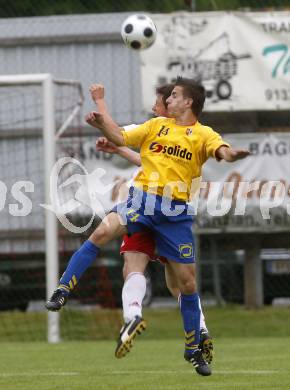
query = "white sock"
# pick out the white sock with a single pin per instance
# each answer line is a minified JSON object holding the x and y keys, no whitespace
{"x":133,"y":292}
{"x":202,"y":319}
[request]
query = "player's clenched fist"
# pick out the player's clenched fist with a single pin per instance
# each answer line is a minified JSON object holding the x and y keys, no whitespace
{"x":105,"y":145}
{"x":95,"y":119}
{"x":97,"y":92}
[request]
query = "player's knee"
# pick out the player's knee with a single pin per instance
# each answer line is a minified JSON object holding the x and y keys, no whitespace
{"x":101,"y":235}
{"x":188,"y":286}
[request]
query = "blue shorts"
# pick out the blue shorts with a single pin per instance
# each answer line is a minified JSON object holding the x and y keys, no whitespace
{"x":170,"y":221}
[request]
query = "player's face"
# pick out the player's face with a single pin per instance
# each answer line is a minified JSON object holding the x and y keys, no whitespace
{"x":177,"y":104}
{"x":158,"y":108}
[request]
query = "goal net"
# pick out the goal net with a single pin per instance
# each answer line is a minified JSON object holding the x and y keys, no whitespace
{"x":40,"y":123}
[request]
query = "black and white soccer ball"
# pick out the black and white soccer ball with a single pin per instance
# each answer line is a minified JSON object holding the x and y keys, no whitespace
{"x":138,"y":32}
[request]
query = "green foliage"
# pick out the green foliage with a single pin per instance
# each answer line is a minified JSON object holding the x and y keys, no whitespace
{"x":216,"y":5}
{"x":16,"y":8}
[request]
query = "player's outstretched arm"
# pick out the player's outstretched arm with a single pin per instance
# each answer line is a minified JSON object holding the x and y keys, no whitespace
{"x":102,"y":119}
{"x":231,"y":155}
{"x":130,"y":155}
{"x":108,"y":127}
{"x":109,"y":147}
{"x":104,"y":145}
{"x":98,"y":95}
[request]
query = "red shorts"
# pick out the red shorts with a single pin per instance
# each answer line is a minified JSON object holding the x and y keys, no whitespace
{"x":141,"y":242}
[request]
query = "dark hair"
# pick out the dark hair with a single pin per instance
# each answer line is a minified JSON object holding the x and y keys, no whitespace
{"x":165,"y":90}
{"x":193,"y":90}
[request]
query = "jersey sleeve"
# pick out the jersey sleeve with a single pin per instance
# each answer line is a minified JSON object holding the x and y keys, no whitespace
{"x":213,"y":142}
{"x":135,"y":137}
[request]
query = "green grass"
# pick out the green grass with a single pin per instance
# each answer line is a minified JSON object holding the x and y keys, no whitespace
{"x":229,"y":321}
{"x":240,"y":363}
{"x":251,"y":352}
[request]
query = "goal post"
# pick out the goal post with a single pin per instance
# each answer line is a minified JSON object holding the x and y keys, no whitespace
{"x":51,"y":235}
{"x":40,"y":124}
{"x":47,"y":84}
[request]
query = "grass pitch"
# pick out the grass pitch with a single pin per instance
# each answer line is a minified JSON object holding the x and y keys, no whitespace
{"x":251,"y":352}
{"x":250,"y":363}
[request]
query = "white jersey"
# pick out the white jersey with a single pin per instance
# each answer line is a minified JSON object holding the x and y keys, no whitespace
{"x":130,"y":127}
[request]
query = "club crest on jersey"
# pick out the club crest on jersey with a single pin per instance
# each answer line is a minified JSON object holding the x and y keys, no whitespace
{"x":163,"y":131}
{"x":175,"y":151}
{"x":188,"y":131}
{"x":186,"y":250}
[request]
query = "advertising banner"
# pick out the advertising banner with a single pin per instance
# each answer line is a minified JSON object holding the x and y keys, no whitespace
{"x":242,"y":58}
{"x":249,"y":195}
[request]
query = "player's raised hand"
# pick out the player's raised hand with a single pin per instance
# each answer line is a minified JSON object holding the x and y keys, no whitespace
{"x":104,"y":145}
{"x":97,"y":92}
{"x":95,"y":119}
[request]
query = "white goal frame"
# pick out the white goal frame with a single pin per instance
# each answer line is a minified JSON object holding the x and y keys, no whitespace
{"x":46,"y":82}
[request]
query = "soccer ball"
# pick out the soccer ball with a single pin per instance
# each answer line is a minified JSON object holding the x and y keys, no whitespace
{"x":138,"y":32}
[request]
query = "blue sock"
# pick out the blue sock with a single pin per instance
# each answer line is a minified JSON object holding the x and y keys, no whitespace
{"x":190,"y":311}
{"x":79,"y":262}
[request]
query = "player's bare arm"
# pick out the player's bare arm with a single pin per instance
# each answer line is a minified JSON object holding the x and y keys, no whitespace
{"x":98,"y":95}
{"x":108,"y":127}
{"x":109,"y":147}
{"x":130,"y":155}
{"x":230,"y":155}
{"x":104,"y":145}
{"x":101,"y":118}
